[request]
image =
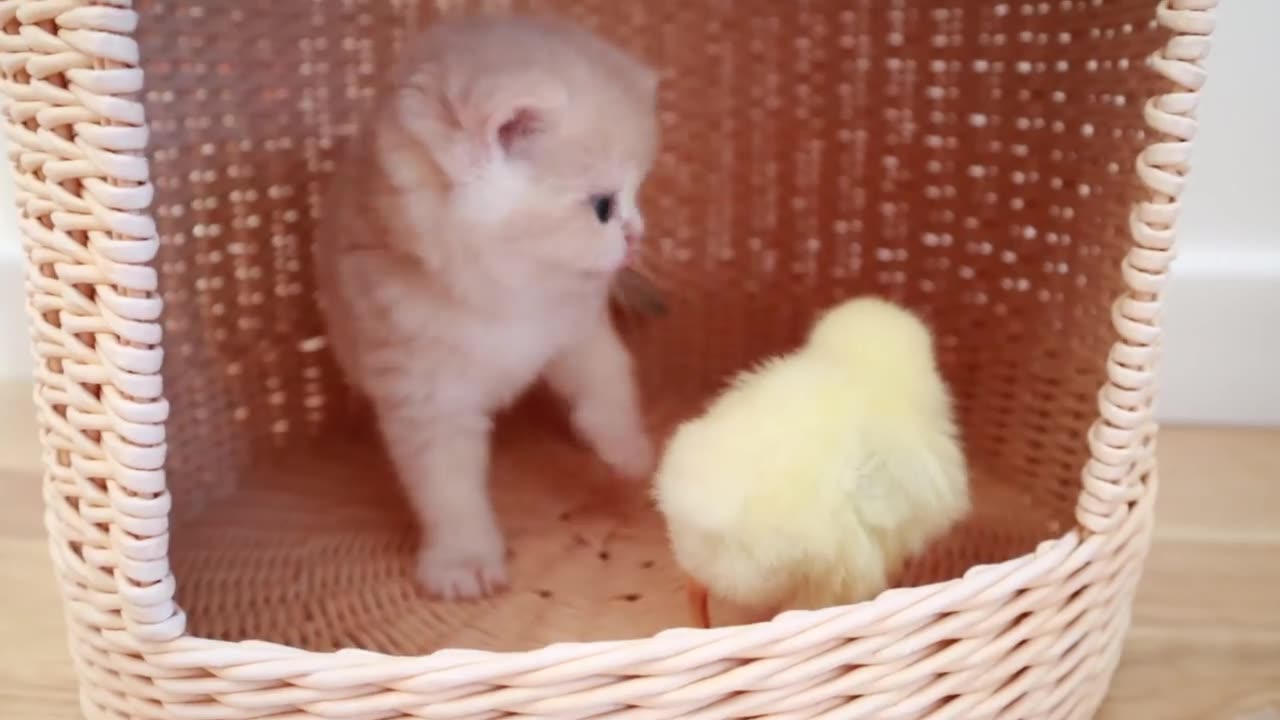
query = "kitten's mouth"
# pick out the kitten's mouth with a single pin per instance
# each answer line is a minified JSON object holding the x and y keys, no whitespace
{"x":631,"y":237}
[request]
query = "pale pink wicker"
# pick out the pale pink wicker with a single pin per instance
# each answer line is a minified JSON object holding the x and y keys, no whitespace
{"x":227,"y":539}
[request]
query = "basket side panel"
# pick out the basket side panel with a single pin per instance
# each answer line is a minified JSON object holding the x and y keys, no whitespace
{"x":76,"y":133}
{"x":1122,"y":439}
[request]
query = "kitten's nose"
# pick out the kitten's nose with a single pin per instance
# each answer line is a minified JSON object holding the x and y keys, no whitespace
{"x":633,"y":230}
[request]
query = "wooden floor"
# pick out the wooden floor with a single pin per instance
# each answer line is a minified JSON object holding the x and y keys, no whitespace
{"x":1205,"y":643}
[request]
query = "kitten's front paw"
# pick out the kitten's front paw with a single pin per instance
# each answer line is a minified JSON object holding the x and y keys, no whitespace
{"x":463,"y":572}
{"x":631,"y":456}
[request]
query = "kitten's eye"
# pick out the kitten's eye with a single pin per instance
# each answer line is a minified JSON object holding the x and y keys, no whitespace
{"x":603,"y":207}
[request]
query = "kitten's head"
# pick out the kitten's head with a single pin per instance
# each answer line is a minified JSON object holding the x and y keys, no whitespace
{"x":539,"y":135}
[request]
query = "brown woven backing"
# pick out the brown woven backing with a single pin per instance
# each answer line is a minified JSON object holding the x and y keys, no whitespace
{"x":972,"y":160}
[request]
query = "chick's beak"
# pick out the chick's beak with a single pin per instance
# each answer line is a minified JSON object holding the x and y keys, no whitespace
{"x":699,"y":604}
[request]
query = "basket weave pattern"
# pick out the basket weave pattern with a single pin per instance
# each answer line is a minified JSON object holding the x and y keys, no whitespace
{"x":162,"y":222}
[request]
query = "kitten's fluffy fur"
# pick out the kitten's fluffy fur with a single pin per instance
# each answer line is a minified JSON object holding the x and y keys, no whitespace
{"x":463,"y":257}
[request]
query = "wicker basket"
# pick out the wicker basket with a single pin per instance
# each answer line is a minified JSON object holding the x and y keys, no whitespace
{"x":229,"y":541}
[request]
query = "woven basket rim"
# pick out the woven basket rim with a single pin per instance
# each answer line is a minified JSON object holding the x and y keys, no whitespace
{"x":1047,"y":554}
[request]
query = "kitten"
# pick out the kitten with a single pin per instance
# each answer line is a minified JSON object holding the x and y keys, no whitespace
{"x":469,"y":249}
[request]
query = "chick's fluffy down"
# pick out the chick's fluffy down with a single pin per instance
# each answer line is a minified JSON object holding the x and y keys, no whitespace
{"x":811,"y":479}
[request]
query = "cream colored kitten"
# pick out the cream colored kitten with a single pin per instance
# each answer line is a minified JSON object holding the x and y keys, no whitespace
{"x":468,"y":250}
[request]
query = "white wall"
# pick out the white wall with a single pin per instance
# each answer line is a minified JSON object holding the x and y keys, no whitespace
{"x":1233,"y":193}
{"x":1223,"y":317}
{"x":1222,"y":323}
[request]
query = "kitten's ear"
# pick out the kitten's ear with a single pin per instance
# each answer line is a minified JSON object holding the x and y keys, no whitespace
{"x":468,"y":125}
{"x":499,"y":113}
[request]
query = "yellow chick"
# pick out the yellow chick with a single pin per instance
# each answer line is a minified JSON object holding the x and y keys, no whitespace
{"x":812,"y":478}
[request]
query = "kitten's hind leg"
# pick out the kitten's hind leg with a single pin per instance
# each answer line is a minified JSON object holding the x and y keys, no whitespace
{"x":443,"y":465}
{"x":595,"y":376}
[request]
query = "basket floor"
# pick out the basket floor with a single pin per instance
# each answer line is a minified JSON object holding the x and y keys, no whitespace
{"x":316,"y":551}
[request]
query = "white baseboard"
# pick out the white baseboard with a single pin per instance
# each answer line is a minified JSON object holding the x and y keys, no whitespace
{"x":1222,"y":335}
